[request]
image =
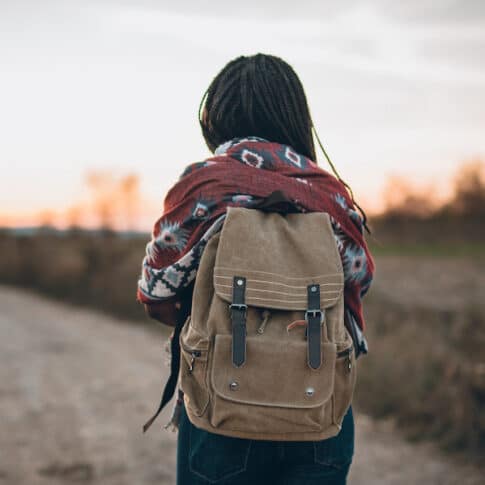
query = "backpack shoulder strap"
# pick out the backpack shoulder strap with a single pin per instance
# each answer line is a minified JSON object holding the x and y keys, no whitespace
{"x":171,"y":383}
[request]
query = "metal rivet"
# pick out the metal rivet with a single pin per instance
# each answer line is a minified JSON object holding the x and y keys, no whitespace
{"x":233,"y":385}
{"x":240,"y":282}
{"x":309,"y":391}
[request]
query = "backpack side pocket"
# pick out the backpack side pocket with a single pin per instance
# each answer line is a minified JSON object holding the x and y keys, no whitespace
{"x":194,"y":350}
{"x":345,"y":377}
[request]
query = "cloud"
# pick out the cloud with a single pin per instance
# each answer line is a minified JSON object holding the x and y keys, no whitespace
{"x":363,"y":37}
{"x":99,"y":83}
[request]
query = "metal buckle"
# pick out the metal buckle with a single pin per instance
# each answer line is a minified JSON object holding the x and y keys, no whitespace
{"x":314,"y":313}
{"x":238,"y":306}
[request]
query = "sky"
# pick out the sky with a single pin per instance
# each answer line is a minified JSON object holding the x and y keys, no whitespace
{"x":394,"y":88}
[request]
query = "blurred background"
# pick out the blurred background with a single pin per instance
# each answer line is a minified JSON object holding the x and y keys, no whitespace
{"x":98,"y":118}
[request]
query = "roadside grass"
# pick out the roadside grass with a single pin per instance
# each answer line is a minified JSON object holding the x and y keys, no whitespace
{"x":98,"y":271}
{"x":459,"y":249}
{"x":426,"y":369}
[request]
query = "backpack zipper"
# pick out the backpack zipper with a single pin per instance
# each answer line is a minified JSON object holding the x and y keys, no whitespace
{"x":262,"y":325}
{"x":346,"y":353}
{"x":193,"y":354}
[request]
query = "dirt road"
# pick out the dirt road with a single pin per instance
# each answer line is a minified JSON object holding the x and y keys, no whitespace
{"x":76,"y":386}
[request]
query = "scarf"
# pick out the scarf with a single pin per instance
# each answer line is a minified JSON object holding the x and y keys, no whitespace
{"x":242,"y":172}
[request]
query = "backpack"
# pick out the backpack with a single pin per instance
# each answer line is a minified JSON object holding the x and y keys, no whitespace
{"x":265,"y":353}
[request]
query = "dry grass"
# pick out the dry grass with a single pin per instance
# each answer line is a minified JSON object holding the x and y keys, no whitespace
{"x":99,"y":271}
{"x":426,"y":368}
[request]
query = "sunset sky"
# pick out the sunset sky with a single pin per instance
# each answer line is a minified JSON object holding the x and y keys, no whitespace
{"x":395,"y":88}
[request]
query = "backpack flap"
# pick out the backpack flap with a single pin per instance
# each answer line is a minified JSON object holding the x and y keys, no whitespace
{"x":279,"y":256}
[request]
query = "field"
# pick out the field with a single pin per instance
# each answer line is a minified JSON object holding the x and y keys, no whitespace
{"x":425,"y":320}
{"x":426,"y":328}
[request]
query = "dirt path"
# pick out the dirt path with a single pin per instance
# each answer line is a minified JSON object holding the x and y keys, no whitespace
{"x":76,"y":386}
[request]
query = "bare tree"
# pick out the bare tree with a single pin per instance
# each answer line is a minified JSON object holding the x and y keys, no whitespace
{"x":469,"y":189}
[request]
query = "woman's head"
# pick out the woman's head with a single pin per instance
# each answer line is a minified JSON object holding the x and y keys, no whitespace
{"x":259,"y":95}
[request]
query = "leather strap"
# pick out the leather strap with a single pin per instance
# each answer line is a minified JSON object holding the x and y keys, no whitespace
{"x":238,"y":318}
{"x":276,"y":201}
{"x":314,"y":320}
{"x":171,"y":384}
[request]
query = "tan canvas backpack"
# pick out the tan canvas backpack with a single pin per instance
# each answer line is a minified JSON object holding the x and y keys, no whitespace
{"x":265,"y":353}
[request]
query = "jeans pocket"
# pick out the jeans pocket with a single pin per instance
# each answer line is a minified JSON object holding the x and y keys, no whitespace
{"x":338,"y":451}
{"x":214,"y":457}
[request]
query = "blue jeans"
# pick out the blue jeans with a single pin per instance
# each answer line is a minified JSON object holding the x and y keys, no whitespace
{"x":204,"y":458}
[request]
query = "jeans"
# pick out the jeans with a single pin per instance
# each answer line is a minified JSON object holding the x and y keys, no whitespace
{"x":204,"y":458}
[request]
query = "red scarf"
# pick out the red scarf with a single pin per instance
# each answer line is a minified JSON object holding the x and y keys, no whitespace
{"x":241,"y":172}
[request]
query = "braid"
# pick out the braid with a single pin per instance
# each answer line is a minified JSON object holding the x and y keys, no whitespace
{"x":334,"y":170}
{"x":261,"y":95}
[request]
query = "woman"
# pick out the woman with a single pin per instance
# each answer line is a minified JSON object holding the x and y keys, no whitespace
{"x":255,"y":114}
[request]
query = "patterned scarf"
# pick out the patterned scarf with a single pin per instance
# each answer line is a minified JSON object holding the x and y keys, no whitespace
{"x":242,"y":172}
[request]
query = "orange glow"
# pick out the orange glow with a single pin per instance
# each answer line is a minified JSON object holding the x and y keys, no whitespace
{"x":116,"y":201}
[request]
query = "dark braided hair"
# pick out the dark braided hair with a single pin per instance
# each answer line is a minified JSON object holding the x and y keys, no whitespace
{"x":261,"y":95}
